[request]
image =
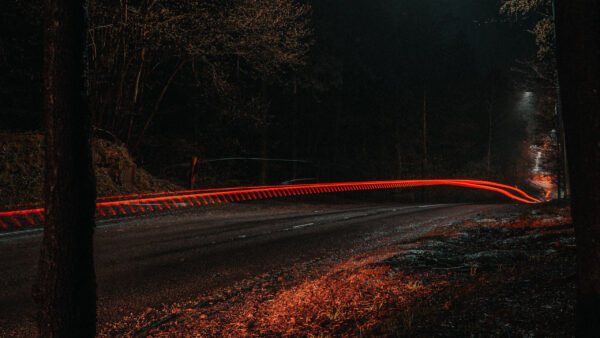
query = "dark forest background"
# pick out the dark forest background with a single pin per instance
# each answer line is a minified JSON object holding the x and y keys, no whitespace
{"x":350,"y":89}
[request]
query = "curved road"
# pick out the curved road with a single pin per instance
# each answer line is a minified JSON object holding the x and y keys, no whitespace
{"x":148,"y":261}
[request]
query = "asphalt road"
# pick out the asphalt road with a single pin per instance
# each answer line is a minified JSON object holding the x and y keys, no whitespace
{"x":152,"y":260}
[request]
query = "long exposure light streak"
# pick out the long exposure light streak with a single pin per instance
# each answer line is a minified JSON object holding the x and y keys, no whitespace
{"x":133,"y":204}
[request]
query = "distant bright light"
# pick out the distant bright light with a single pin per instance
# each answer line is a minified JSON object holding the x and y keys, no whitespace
{"x":538,"y":159}
{"x":525,"y":104}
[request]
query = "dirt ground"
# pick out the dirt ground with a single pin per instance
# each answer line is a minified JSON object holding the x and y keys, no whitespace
{"x":509,"y":274}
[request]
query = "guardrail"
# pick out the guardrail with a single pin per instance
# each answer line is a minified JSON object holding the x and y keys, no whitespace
{"x":116,"y":206}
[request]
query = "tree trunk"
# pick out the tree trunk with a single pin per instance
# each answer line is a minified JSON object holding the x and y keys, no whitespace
{"x":424,"y":164}
{"x":424,"y":129}
{"x":562,"y":153}
{"x":339,"y":149}
{"x":399,"y":159}
{"x":489,"y":145}
{"x":159,"y":100}
{"x":558,"y":163}
{"x":490,"y":109}
{"x":578,"y":55}
{"x":399,"y":163}
{"x":264,"y":154}
{"x":66,"y":289}
{"x":294,"y":127}
{"x":264,"y":138}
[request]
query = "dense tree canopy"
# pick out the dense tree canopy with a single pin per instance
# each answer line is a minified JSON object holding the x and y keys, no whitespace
{"x":357,"y":89}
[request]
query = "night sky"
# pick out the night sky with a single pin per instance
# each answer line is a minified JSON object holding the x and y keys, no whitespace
{"x":496,"y":40}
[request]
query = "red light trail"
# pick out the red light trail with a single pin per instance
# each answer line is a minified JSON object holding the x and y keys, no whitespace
{"x":113,"y":206}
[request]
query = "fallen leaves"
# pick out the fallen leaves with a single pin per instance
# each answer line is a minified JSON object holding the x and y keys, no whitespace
{"x":345,"y":301}
{"x":356,"y":295}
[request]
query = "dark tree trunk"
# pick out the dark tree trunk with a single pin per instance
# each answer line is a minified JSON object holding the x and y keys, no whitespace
{"x":264,"y":138}
{"x":424,"y":164}
{"x":490,"y":109}
{"x":559,"y":156}
{"x":159,"y":100}
{"x":425,"y":129}
{"x":578,"y":53}
{"x":294,"y":127}
{"x":489,"y":145}
{"x":66,"y":289}
{"x":264,"y":154}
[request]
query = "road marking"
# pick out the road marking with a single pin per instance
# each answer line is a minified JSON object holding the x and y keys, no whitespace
{"x":37,"y":232}
{"x":302,"y":226}
{"x":125,"y":221}
{"x":5,"y":234}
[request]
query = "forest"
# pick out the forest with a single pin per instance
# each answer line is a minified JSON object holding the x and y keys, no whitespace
{"x":276,"y":91}
{"x":160,"y":163}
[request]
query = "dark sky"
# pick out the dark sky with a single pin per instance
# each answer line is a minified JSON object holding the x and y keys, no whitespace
{"x":496,"y":40}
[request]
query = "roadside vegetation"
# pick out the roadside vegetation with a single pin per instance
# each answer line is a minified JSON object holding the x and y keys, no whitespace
{"x":22,"y":165}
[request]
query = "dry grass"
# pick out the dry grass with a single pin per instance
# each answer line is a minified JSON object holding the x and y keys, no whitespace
{"x":346,"y":302}
{"x":379,"y":294}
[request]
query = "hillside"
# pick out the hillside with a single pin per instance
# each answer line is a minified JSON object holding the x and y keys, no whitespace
{"x":21,"y":170}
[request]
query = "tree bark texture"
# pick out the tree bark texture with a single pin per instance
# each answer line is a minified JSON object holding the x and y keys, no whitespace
{"x":425,"y":129}
{"x":264,"y":138}
{"x":578,"y":54}
{"x":66,"y":289}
